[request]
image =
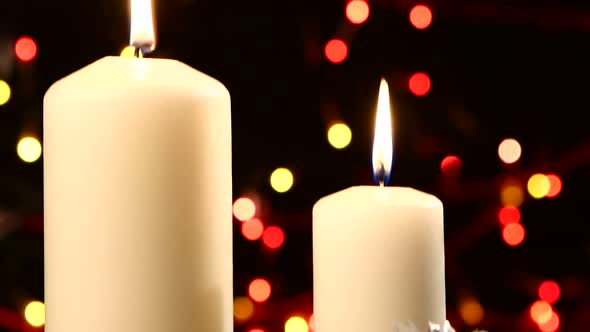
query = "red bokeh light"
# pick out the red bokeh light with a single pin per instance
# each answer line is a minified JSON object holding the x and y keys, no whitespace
{"x":541,"y":312}
{"x":259,"y":290}
{"x":357,"y":11}
{"x":273,"y":237}
{"x":419,"y":84}
{"x":551,"y":325}
{"x":256,"y":330}
{"x":25,"y":49}
{"x":253,"y":229}
{"x":336,"y":51}
{"x":549,"y":291}
{"x":554,"y":185}
{"x":451,"y":166}
{"x":509,"y":215}
{"x":421,"y":17}
{"x":513,"y":234}
{"x":311,"y":322}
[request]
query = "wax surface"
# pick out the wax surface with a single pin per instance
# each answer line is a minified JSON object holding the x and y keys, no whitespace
{"x":138,"y":226}
{"x":378,"y":260}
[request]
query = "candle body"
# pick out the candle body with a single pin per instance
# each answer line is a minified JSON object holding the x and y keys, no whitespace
{"x":378,"y":260}
{"x":138,"y":233}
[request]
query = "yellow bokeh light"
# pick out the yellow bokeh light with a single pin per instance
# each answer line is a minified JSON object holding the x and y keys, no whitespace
{"x":5,"y":92}
{"x":296,"y":324}
{"x":281,"y":180}
{"x":35,"y":313}
{"x":471,"y":312}
{"x":243,"y":308}
{"x":538,"y":185}
{"x":512,"y":195}
{"x":29,"y":149}
{"x":509,"y":151}
{"x":339,"y":136}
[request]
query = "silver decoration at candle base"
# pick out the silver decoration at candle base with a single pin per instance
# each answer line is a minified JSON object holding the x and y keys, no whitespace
{"x":432,"y":327}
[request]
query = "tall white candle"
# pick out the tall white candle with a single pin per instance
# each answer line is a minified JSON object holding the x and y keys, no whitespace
{"x":378,"y":251}
{"x":138,"y":232}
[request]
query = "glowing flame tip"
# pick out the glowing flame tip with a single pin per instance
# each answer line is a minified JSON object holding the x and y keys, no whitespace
{"x":383,"y":142}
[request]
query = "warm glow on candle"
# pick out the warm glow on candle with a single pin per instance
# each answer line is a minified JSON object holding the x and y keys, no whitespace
{"x":142,"y":26}
{"x":383,"y":142}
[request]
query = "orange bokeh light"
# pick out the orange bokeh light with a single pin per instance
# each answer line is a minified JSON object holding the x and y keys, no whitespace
{"x":513,"y":234}
{"x":25,"y":49}
{"x":541,"y":312}
{"x":259,"y":290}
{"x":554,"y":185}
{"x":421,"y":17}
{"x":273,"y":237}
{"x":253,"y":229}
{"x":357,"y":11}
{"x":509,"y":215}
{"x":451,"y":166}
{"x":244,"y":209}
{"x":549,"y":291}
{"x":551,"y":325}
{"x":311,"y":322}
{"x":336,"y":51}
{"x":256,"y":330}
{"x":419,"y":84}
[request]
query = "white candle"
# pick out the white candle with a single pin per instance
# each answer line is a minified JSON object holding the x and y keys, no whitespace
{"x":138,"y":228}
{"x":378,"y":252}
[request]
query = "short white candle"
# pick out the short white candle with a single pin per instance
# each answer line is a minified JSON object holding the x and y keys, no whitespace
{"x":138,"y":228}
{"x":378,"y":251}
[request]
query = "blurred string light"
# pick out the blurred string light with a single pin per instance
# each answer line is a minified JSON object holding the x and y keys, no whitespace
{"x":421,"y":17}
{"x":336,"y":51}
{"x":29,"y":149}
{"x":509,"y":215}
{"x":244,"y":209}
{"x":538,"y":185}
{"x":513,"y":234}
{"x":419,"y":84}
{"x":5,"y":92}
{"x":253,"y":229}
{"x":555,"y":185}
{"x":451,"y":166}
{"x":281,"y":180}
{"x":273,"y":237}
{"x":541,"y":312}
{"x":296,"y":324}
{"x":509,"y":151}
{"x":25,"y":49}
{"x":259,"y":290}
{"x":35,"y":313}
{"x":357,"y":11}
{"x":243,"y":308}
{"x":549,"y":291}
{"x":339,"y":135}
{"x":551,"y":325}
{"x":471,"y":311}
{"x":512,"y":194}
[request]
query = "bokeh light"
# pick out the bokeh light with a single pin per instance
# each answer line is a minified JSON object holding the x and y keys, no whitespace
{"x":281,"y":180}
{"x":555,"y":185}
{"x":35,"y":313}
{"x":549,"y":291}
{"x":25,"y":49}
{"x":128,"y":52}
{"x":5,"y":92}
{"x":541,"y":312}
{"x":339,"y":135}
{"x":509,"y":151}
{"x":273,"y":237}
{"x":512,"y":194}
{"x":296,"y":324}
{"x":509,"y":215}
{"x":551,"y":325}
{"x":357,"y":11}
{"x":336,"y":51}
{"x":538,"y":185}
{"x":311,"y":322}
{"x":253,"y":229}
{"x":244,"y":209}
{"x":421,"y":17}
{"x":513,"y":234}
{"x":259,"y":290}
{"x":256,"y":330}
{"x":451,"y":166}
{"x":419,"y":84}
{"x":29,"y":149}
{"x":471,"y":311}
{"x":243,"y":308}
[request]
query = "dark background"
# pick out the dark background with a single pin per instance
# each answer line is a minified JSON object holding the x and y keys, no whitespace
{"x":499,"y":69}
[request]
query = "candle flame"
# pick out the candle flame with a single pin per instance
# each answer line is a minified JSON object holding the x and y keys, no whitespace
{"x":142,"y":36}
{"x":383,"y":142}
